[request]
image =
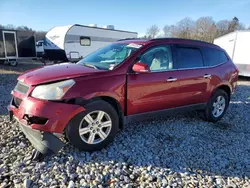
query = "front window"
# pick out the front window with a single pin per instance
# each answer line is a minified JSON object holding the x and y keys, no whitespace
{"x":109,"y":57}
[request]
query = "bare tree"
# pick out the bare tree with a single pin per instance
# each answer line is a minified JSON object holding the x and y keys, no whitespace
{"x":170,"y":31}
{"x":241,"y":26}
{"x":205,"y":29}
{"x":9,"y":26}
{"x":234,"y":23}
{"x":167,"y":31}
{"x":153,"y":31}
{"x":24,"y":28}
{"x":222,"y":27}
{"x":185,"y":28}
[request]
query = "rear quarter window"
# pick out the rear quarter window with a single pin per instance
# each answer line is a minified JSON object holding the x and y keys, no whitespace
{"x":214,"y":57}
{"x":188,"y":57}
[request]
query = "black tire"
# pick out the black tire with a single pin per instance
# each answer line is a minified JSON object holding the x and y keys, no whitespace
{"x":208,"y":115}
{"x":72,"y":129}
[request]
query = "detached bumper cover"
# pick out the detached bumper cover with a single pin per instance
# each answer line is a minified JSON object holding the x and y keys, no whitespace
{"x":58,"y":114}
{"x":45,"y":142}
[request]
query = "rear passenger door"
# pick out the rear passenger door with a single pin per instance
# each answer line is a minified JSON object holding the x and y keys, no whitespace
{"x":215,"y":60}
{"x":193,"y":76}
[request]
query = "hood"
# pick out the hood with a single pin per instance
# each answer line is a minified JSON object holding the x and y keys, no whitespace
{"x":56,"y":72}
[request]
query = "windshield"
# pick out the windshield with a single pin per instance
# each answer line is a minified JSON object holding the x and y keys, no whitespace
{"x":109,"y":57}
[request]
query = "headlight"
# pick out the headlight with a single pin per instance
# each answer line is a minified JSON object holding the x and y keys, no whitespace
{"x":53,"y":91}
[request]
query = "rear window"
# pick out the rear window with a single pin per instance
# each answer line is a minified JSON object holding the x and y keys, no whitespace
{"x":214,"y":57}
{"x":189,"y":58}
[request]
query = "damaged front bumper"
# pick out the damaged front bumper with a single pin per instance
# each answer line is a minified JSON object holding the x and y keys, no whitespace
{"x":43,"y":134}
{"x":45,"y":142}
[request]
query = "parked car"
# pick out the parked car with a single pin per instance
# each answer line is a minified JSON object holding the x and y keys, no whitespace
{"x":90,"y":101}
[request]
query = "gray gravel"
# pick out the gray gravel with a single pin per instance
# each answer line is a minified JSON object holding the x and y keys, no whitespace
{"x":176,"y":152}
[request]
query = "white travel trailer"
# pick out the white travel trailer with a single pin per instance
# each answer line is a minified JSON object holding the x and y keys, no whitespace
{"x":73,"y":42}
{"x":237,"y":45}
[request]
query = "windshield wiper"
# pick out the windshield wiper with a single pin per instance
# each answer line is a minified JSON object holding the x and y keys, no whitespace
{"x":89,"y":65}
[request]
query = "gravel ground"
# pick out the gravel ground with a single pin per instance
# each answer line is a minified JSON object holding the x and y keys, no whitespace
{"x":182,"y":151}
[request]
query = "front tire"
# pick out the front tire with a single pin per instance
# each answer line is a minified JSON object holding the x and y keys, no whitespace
{"x":217,"y":106}
{"x":95,"y":128}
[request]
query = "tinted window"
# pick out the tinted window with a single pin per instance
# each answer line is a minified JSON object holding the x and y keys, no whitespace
{"x":158,"y":58}
{"x":214,"y":57}
{"x":189,"y":58}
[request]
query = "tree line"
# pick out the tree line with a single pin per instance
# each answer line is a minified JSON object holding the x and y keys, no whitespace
{"x":204,"y":28}
{"x":38,"y":34}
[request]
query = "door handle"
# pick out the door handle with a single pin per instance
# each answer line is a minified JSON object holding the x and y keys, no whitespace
{"x":171,"y":79}
{"x":207,"y":76}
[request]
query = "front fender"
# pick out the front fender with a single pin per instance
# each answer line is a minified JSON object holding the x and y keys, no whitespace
{"x":104,"y":94}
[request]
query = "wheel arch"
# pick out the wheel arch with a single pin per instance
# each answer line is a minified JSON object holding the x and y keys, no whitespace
{"x":116,"y":106}
{"x":109,"y":99}
{"x":225,"y":88}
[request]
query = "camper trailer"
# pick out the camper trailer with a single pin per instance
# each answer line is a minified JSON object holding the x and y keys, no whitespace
{"x":15,"y":45}
{"x":72,"y":43}
{"x":237,"y":45}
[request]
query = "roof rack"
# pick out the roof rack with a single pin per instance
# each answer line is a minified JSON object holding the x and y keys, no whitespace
{"x":156,"y":39}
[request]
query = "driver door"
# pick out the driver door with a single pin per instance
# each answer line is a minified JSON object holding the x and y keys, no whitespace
{"x":155,"y":90}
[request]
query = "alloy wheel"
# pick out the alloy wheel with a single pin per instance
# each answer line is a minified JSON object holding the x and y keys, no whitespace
{"x":219,"y":106}
{"x":95,"y":127}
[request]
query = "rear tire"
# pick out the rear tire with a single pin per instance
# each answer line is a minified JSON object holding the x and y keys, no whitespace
{"x":95,"y":128}
{"x":216,"y":106}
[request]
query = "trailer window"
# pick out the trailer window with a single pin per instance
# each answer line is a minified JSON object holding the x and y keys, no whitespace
{"x":85,"y":41}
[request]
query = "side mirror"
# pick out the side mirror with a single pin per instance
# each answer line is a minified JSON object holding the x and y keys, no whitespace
{"x":140,"y":67}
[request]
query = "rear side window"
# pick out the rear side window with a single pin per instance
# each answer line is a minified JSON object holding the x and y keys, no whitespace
{"x":214,"y":57}
{"x":188,"y":57}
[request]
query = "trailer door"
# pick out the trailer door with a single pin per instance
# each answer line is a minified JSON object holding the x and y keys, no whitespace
{"x":10,"y":44}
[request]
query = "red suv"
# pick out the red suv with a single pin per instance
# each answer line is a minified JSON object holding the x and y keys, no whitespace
{"x":91,"y":100}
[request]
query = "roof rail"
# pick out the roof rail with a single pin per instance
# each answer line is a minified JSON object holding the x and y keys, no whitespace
{"x":156,"y":39}
{"x":131,"y":39}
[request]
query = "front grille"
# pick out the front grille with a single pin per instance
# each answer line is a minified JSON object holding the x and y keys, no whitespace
{"x":16,"y":102}
{"x":21,"y":88}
